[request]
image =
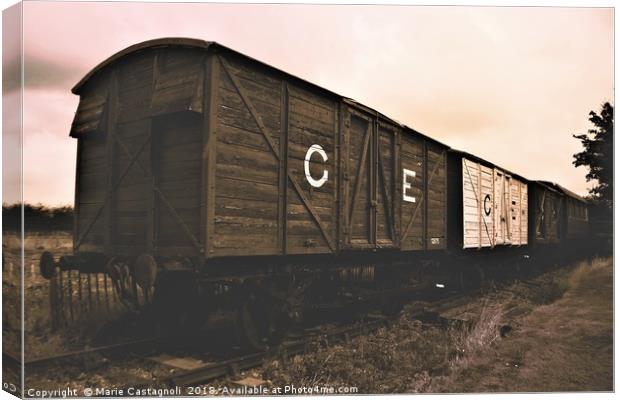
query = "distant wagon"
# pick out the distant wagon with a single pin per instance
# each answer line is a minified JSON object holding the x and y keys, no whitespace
{"x":559,"y":216}
{"x":494,"y":201}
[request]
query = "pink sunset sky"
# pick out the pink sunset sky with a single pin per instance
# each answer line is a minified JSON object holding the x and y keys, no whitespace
{"x":508,"y":84}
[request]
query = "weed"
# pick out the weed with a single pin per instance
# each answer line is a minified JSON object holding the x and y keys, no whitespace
{"x":469,"y":340}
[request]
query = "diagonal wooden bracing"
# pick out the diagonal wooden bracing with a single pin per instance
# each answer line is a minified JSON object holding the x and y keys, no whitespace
{"x":173,"y":212}
{"x":477,"y":196}
{"x":274,"y":149}
{"x":133,"y":159}
{"x":112,"y":185}
{"x":420,"y":204}
{"x":358,"y":178}
{"x":164,"y":200}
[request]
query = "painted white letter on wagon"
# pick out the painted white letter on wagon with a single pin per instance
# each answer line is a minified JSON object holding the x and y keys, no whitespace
{"x":407,"y":185}
{"x":315,"y":148}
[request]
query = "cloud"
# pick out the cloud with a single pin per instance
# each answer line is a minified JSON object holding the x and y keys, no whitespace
{"x":48,"y":73}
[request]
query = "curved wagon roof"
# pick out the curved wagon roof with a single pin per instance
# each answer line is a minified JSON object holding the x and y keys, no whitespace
{"x":207,"y":45}
{"x":149,"y":44}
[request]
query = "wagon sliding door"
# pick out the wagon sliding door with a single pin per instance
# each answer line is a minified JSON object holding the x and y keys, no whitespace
{"x":481,"y":213}
{"x":173,"y":218}
{"x":176,"y":164}
{"x":501,"y":214}
{"x":369,"y":182}
{"x":422,"y":183}
{"x":510,"y":210}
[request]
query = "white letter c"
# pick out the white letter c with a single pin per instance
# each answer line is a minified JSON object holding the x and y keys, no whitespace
{"x":315,"y":148}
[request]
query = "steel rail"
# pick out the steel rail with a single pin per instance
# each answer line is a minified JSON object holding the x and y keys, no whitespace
{"x":39,"y":362}
{"x":232,"y":366}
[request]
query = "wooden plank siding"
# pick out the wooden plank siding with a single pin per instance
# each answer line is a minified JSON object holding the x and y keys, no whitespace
{"x":311,"y":121}
{"x":413,"y":215}
{"x":250,"y":195}
{"x":436,"y":192}
{"x":246,"y":169}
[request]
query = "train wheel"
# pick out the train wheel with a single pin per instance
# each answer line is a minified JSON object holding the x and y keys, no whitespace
{"x":260,"y":322}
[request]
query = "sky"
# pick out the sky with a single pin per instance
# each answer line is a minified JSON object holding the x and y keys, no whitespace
{"x":510,"y":85}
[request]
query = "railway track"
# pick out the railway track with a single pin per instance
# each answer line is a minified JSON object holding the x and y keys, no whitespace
{"x":295,"y":344}
{"x":426,"y":311}
{"x":124,"y":348}
{"x":286,"y":349}
{"x":429,"y":311}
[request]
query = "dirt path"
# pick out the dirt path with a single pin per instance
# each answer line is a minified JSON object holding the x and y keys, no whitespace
{"x":563,"y":346}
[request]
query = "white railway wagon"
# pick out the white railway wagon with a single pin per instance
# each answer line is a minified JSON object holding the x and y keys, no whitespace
{"x":495,"y":204}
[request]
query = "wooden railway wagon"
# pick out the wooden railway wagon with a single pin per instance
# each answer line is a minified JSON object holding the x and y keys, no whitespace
{"x":560,"y":215}
{"x":575,"y":219}
{"x":187,"y":147}
{"x":196,"y":160}
{"x":559,"y":222}
{"x":546,"y":222}
{"x":488,"y":204}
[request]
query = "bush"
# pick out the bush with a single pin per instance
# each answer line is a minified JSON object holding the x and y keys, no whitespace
{"x":37,"y":218}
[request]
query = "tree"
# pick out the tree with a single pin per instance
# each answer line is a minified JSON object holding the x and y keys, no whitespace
{"x":597,"y":155}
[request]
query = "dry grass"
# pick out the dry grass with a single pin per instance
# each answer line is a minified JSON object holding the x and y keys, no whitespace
{"x":407,"y":357}
{"x":411,"y":357}
{"x":562,"y":342}
{"x":584,"y":270}
{"x":395,"y":360}
{"x":469,"y":341}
